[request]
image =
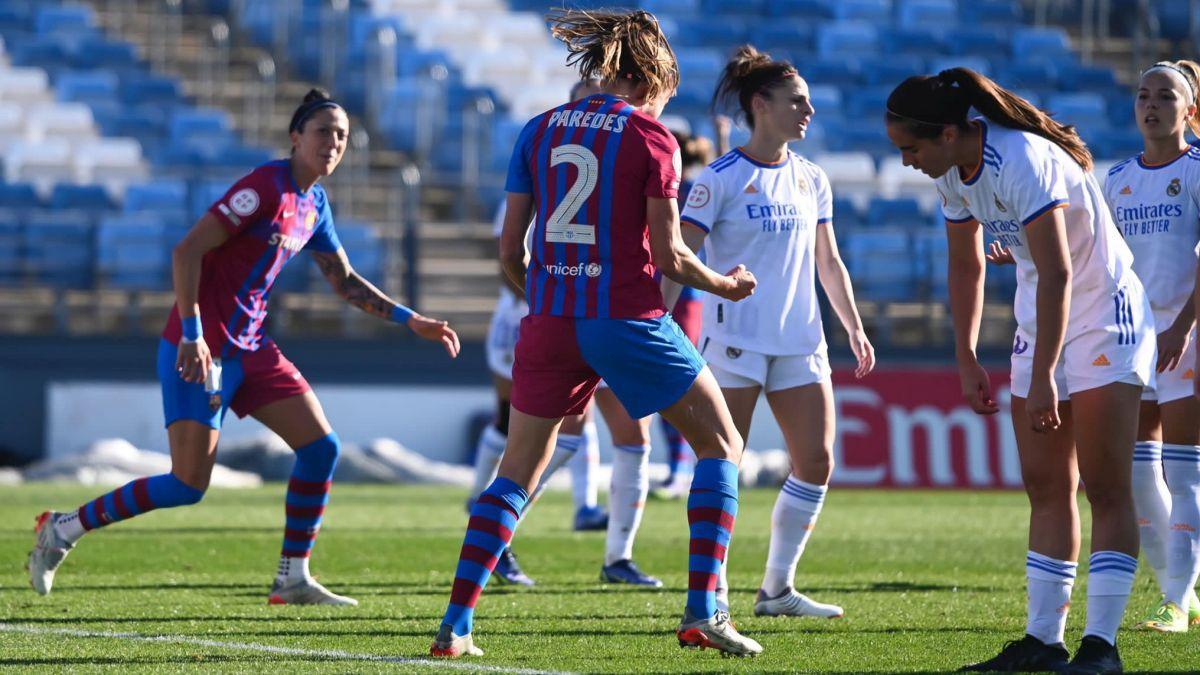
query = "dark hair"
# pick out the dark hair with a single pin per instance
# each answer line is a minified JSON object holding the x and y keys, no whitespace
{"x":1190,"y":71}
{"x":314,"y":100}
{"x":617,"y":45}
{"x":927,"y":104}
{"x":749,"y":72}
{"x":585,"y":82}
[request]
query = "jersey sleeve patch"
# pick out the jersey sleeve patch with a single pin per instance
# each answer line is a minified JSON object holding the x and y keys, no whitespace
{"x":249,"y":199}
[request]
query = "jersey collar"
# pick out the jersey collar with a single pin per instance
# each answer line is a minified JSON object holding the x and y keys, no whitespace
{"x":766,"y":165}
{"x":1141,"y":160}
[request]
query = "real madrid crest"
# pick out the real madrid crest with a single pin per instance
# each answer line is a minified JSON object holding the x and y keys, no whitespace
{"x":1174,"y":188}
{"x":733,"y":352}
{"x":802,"y":185}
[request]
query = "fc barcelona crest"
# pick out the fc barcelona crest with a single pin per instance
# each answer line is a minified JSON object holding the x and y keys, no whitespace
{"x":214,"y":402}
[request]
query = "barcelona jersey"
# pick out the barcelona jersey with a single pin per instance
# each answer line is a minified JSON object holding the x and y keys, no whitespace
{"x":589,"y":166}
{"x":269,"y":221}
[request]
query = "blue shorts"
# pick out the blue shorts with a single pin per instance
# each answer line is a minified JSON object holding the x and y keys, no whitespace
{"x":245,"y":384}
{"x":648,"y":363}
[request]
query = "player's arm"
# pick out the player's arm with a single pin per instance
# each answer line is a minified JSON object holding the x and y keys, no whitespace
{"x":964,"y":276}
{"x":513,"y":261}
{"x":357,"y":291}
{"x":1047,"y":236}
{"x":693,"y":237}
{"x":678,"y":263}
{"x":1174,"y":340}
{"x":835,"y":279}
{"x":194,"y":359}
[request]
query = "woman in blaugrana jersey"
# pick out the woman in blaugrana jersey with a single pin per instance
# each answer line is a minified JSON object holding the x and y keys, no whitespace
{"x":214,"y":354}
{"x":1083,"y":350}
{"x":602,"y":176}
{"x":774,"y":209}
{"x":1155,"y":201}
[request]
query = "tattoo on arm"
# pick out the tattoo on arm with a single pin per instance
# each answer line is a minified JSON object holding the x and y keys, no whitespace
{"x":351,"y":287}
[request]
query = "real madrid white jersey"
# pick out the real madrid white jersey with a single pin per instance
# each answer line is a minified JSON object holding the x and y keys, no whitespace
{"x":1021,"y":177}
{"x":509,"y":304}
{"x":764,"y":216}
{"x":1157,"y":210}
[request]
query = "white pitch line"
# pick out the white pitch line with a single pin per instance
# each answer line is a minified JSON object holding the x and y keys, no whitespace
{"x":330,"y":654}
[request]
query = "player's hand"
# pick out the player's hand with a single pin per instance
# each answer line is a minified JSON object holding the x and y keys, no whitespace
{"x":193,"y":361}
{"x":742,"y":283}
{"x":864,"y":352}
{"x":1042,"y":405}
{"x":998,"y":255}
{"x":977,"y":388}
{"x":436,"y":331}
{"x":1171,"y":344}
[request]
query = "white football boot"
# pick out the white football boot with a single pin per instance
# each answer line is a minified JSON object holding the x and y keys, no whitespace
{"x":447,"y":645}
{"x":791,"y":603}
{"x":49,"y":550}
{"x":716,"y":632}
{"x":306,"y":592}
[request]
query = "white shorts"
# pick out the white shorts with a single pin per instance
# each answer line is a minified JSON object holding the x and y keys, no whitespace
{"x":1173,"y":385}
{"x":1119,"y":350}
{"x":736,"y":368}
{"x":502,"y":337}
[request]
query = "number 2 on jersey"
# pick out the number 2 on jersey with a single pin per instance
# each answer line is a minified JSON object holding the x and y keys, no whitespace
{"x":559,"y":228}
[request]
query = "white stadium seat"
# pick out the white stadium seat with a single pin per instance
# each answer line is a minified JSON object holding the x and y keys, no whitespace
{"x":851,"y":174}
{"x":42,"y":163}
{"x":71,"y":121}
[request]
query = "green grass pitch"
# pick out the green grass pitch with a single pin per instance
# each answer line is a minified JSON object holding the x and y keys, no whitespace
{"x":929,"y":581}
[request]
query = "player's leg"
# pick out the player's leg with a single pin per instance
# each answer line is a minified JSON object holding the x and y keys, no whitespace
{"x":806,"y":417}
{"x":193,"y":417}
{"x":741,"y":397}
{"x":300,"y":421}
{"x":1151,"y":497}
{"x":1050,"y":475}
{"x":1181,"y":463}
{"x":584,"y":468}
{"x":688,"y":314}
{"x":492,"y":438}
{"x":1106,"y":420}
{"x":627,"y":494}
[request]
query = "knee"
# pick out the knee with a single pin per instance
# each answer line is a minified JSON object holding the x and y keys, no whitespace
{"x":1109,"y":496}
{"x":1049,"y":493}
{"x":323,"y":451}
{"x":183,"y":491}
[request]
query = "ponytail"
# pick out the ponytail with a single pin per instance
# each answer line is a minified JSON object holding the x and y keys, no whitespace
{"x":927,"y":104}
{"x":748,"y":73}
{"x":617,"y":45}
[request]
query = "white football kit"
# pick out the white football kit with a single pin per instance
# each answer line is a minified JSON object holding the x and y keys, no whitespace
{"x":1157,"y":210}
{"x":506,"y":320}
{"x":764,"y":216}
{"x":1110,"y":329}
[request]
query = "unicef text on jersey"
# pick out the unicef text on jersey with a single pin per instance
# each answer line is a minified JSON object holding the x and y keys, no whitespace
{"x":592,"y":270}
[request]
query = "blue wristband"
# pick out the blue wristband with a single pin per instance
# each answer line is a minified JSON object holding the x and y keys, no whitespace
{"x":401,"y":314}
{"x":191,"y":327}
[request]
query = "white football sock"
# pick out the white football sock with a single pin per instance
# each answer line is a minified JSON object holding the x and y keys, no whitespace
{"x":1182,"y":466}
{"x":1110,"y":578}
{"x":1153,"y":504}
{"x":626,"y":500}
{"x":564,"y":449}
{"x":584,"y":486}
{"x":722,"y":589}
{"x":1049,"y":593}
{"x":291,"y":569}
{"x":488,"y":452}
{"x":68,"y":527}
{"x":792,"y":523}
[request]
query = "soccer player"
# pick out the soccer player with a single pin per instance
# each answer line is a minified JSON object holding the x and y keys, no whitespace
{"x":766,"y":205}
{"x":602,"y":176}
{"x":1155,"y":200}
{"x":214,"y":354}
{"x":1083,"y":350}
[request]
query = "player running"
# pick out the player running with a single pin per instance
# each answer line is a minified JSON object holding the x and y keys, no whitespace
{"x":774,"y":209}
{"x":601,"y":175}
{"x":223,"y":272}
{"x":1083,"y":350}
{"x":1155,"y":200}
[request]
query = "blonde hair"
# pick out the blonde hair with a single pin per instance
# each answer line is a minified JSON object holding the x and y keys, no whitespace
{"x":617,"y":45}
{"x":929,"y":103}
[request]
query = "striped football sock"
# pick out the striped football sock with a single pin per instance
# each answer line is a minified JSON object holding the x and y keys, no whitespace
{"x":132,"y":499}
{"x":307,"y":496}
{"x":1110,"y":578}
{"x":792,"y":524}
{"x":712,"y":508}
{"x":493,"y":519}
{"x":1050,"y":582}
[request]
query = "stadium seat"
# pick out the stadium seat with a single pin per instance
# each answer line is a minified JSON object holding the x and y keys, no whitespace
{"x":19,"y":196}
{"x":11,"y":244}
{"x":897,"y":180}
{"x":110,"y":162}
{"x":24,"y":84}
{"x":915,"y":42}
{"x":131,"y":251}
{"x":921,"y":13}
{"x":1114,"y":143}
{"x":68,"y":18}
{"x":90,"y":198}
{"x":976,"y":63}
{"x":161,"y":194}
{"x":1003,"y":13}
{"x":887,"y":72}
{"x":874,"y":11}
{"x":104,"y":53}
{"x":58,"y":248}
{"x":86,"y":86}
{"x":61,"y":121}
{"x":881,"y":263}
{"x":801,"y":9}
{"x":899,"y":212}
{"x":852,"y":174}
{"x":852,"y":39}
{"x":1087,"y":111}
{"x":1078,"y":77}
{"x":1041,"y":44}
{"x":150,"y":89}
{"x":1031,"y":75}
{"x":732,"y":7}
{"x":971,"y":39}
{"x":42,"y":163}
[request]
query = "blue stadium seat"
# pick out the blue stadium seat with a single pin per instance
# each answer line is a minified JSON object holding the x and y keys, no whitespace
{"x":891,"y":70}
{"x":852,"y":39}
{"x":58,"y":248}
{"x":1079,"y":77}
{"x":977,"y":63}
{"x":825,"y":100}
{"x":86,"y":197}
{"x":734,"y":7}
{"x":1034,"y":75}
{"x":131,"y":251}
{"x":902,"y":212}
{"x":11,"y":242}
{"x":104,"y":53}
{"x":801,"y":9}
{"x":18,"y":196}
{"x":990,"y":12}
{"x":1174,"y":18}
{"x":868,"y":104}
{"x":1086,"y":111}
{"x":156,"y":195}
{"x":875,"y":11}
{"x":363,"y":248}
{"x":1119,"y":143}
{"x":932,"y":258}
{"x":1041,"y":44}
{"x":833,"y":72}
{"x":846,"y":213}
{"x":975,"y":40}
{"x":72,"y":19}
{"x":699,"y":63}
{"x":150,"y":89}
{"x":786,"y":35}
{"x":671,"y":7}
{"x":880,"y":262}
{"x":701,"y":32}
{"x":922,"y":13}
{"x":86,"y":86}
{"x":915,"y":42}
